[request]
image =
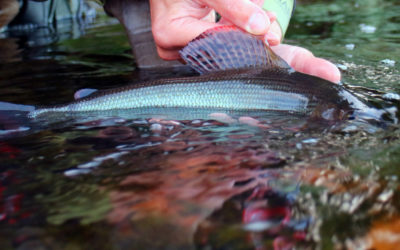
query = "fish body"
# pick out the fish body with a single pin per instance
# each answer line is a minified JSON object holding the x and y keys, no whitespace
{"x":238,"y":72}
{"x":250,"y":89}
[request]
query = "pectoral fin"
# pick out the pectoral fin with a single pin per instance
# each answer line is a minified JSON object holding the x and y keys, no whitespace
{"x":84,"y":93}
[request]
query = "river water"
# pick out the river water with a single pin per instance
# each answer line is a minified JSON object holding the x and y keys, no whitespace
{"x":154,"y":183}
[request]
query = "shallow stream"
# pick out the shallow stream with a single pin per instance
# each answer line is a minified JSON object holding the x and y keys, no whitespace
{"x":120,"y":183}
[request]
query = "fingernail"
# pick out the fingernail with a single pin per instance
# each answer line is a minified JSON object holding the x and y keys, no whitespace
{"x":272,"y":38}
{"x":258,"y":24}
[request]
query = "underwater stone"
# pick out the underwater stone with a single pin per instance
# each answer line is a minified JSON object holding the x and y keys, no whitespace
{"x":388,"y":62}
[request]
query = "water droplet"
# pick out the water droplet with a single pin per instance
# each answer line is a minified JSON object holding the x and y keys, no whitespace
{"x":369,"y":29}
{"x":350,"y":46}
{"x":341,"y":66}
{"x":75,"y":172}
{"x":311,"y":140}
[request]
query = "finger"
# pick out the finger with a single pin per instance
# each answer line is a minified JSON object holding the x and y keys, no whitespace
{"x":252,"y":122}
{"x":168,"y":55}
{"x":210,"y":17}
{"x":258,"y":2}
{"x":243,"y":13}
{"x":180,"y":32}
{"x":224,"y":21}
{"x":304,"y":61}
{"x":274,"y":35}
{"x":176,"y":23}
{"x":271,"y":15}
{"x":322,"y":68}
{"x":222,"y":117}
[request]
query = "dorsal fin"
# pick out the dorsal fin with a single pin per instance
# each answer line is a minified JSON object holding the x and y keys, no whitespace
{"x":227,"y":47}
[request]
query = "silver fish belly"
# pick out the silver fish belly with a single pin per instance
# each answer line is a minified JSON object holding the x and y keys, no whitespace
{"x":234,"y":94}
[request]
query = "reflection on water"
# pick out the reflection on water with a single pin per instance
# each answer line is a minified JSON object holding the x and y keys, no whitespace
{"x":154,"y":183}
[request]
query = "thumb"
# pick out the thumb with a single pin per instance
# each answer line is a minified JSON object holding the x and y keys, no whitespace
{"x":243,"y":13}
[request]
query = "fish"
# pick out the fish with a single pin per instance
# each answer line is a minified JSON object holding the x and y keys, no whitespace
{"x":237,"y":72}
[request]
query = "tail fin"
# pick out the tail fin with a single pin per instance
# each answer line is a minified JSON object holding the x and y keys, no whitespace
{"x":7,"y":106}
{"x":14,"y":118}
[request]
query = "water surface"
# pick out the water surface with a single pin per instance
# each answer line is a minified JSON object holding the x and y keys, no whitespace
{"x":153,"y":183}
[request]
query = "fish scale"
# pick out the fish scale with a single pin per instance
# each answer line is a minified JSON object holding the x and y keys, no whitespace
{"x":229,"y":94}
{"x":238,"y":73}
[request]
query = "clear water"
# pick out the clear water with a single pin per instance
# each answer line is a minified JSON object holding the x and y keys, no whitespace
{"x":117,"y":183}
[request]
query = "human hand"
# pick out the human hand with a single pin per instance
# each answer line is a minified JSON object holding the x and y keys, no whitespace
{"x":176,"y":22}
{"x":302,"y":60}
{"x":8,"y":10}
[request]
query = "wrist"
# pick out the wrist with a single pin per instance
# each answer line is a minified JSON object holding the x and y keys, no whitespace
{"x":283,"y":10}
